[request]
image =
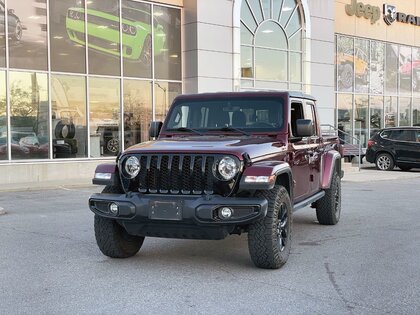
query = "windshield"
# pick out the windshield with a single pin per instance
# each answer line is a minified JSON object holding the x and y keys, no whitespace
{"x":250,"y":114}
{"x":136,"y":15}
{"x":110,"y":7}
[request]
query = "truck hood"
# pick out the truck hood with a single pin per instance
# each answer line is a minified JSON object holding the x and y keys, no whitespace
{"x":255,"y":147}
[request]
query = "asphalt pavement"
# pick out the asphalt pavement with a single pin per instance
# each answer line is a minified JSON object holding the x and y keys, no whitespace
{"x":367,"y":264}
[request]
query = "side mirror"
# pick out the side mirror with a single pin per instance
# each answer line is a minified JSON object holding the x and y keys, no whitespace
{"x":11,"y":11}
{"x":304,"y":128}
{"x":154,"y":130}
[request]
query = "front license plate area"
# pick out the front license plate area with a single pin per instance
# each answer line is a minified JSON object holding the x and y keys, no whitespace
{"x":165,"y":210}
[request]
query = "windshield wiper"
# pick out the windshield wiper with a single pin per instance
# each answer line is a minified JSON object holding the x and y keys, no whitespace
{"x":230,"y":128}
{"x":185,"y":129}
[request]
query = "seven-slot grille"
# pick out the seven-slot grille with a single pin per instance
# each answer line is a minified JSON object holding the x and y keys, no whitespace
{"x":175,"y":174}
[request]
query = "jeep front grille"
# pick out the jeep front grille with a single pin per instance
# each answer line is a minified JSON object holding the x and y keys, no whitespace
{"x":177,"y":174}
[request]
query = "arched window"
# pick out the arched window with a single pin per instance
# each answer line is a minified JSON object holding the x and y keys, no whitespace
{"x":271,"y":44}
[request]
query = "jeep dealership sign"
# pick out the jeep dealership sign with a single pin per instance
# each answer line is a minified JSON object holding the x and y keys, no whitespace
{"x":367,"y":11}
{"x":373,"y":13}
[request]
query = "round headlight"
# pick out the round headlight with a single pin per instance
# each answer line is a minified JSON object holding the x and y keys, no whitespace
{"x":227,"y":168}
{"x":132,"y":166}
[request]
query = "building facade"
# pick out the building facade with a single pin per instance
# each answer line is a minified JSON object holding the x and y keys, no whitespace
{"x":80,"y":80}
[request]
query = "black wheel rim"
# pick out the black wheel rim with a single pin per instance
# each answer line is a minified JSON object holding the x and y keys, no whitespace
{"x":282,"y":230}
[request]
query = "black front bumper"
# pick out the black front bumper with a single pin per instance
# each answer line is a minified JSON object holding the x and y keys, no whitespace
{"x":193,"y":217}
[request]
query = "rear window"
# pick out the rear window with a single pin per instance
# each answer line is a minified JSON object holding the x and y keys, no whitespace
{"x":255,"y":114}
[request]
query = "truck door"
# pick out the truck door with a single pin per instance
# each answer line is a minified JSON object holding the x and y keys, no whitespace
{"x":315,"y":148}
{"x":299,"y":162}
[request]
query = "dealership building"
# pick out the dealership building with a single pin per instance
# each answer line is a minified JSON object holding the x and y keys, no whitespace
{"x":80,"y":80}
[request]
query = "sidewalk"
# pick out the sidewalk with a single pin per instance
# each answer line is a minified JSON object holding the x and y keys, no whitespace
{"x":368,"y":173}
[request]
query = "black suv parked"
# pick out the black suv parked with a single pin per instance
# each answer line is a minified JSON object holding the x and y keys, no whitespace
{"x":395,"y":146}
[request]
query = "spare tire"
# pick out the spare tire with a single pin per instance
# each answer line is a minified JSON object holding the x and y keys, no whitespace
{"x":64,"y":131}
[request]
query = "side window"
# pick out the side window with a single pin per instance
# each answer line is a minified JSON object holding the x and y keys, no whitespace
{"x":310,"y":114}
{"x":417,"y":135}
{"x":402,"y":135}
{"x":386,"y":134}
{"x":296,"y":112}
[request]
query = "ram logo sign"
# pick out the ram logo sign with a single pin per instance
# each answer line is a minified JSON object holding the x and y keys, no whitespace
{"x":390,"y":13}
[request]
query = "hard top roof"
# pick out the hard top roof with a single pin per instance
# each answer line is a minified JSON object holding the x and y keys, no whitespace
{"x":289,"y":94}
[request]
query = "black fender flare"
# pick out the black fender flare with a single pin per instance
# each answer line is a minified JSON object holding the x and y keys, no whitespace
{"x":277,"y":172}
{"x":331,"y":162}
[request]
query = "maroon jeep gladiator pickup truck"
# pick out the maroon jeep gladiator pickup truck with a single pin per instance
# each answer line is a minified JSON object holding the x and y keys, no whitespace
{"x":222,"y":163}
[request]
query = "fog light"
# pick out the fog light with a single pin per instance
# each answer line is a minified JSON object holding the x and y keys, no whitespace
{"x":225,"y":213}
{"x":113,"y":207}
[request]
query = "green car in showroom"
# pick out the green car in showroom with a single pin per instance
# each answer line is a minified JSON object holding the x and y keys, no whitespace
{"x":103,"y":30}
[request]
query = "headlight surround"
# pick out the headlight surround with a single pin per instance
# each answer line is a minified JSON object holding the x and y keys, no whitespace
{"x":132,"y":167}
{"x":226,"y":168}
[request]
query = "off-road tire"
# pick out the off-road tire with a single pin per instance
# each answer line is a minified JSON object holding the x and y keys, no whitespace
{"x":112,"y":239}
{"x":384,"y":162}
{"x":268,"y":248}
{"x":328,"y":208}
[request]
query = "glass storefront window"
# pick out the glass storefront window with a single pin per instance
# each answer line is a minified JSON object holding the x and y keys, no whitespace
{"x":165,"y":92}
{"x":137,"y":111}
{"x":345,"y":64}
{"x":137,"y":39}
{"x":377,"y":62}
{"x":405,"y":70}
{"x":287,"y":11}
{"x":104,"y":102}
{"x":271,"y":43}
{"x":270,"y":64}
{"x":361,"y":103}
{"x":270,"y":34}
{"x":103,"y":24}
{"x":85,"y":45}
{"x":167,"y":43}
{"x":416,"y":112}
{"x":246,"y":36}
{"x":405,"y":112}
{"x":416,"y":71}
{"x":247,"y":62}
{"x":391,"y":69}
{"x":28,"y":34}
{"x":361,"y":65}
{"x":295,"y":67}
{"x":390,"y":111}
{"x":345,"y":117}
{"x":2,"y":37}
{"x":67,"y":36}
{"x":295,"y":42}
{"x":248,"y":13}
{"x":29,"y":115}
{"x":3,"y":117}
{"x":376,"y":114}
{"x":68,"y":110}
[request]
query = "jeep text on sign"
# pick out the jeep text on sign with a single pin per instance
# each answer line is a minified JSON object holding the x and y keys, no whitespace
{"x":367,"y":11}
